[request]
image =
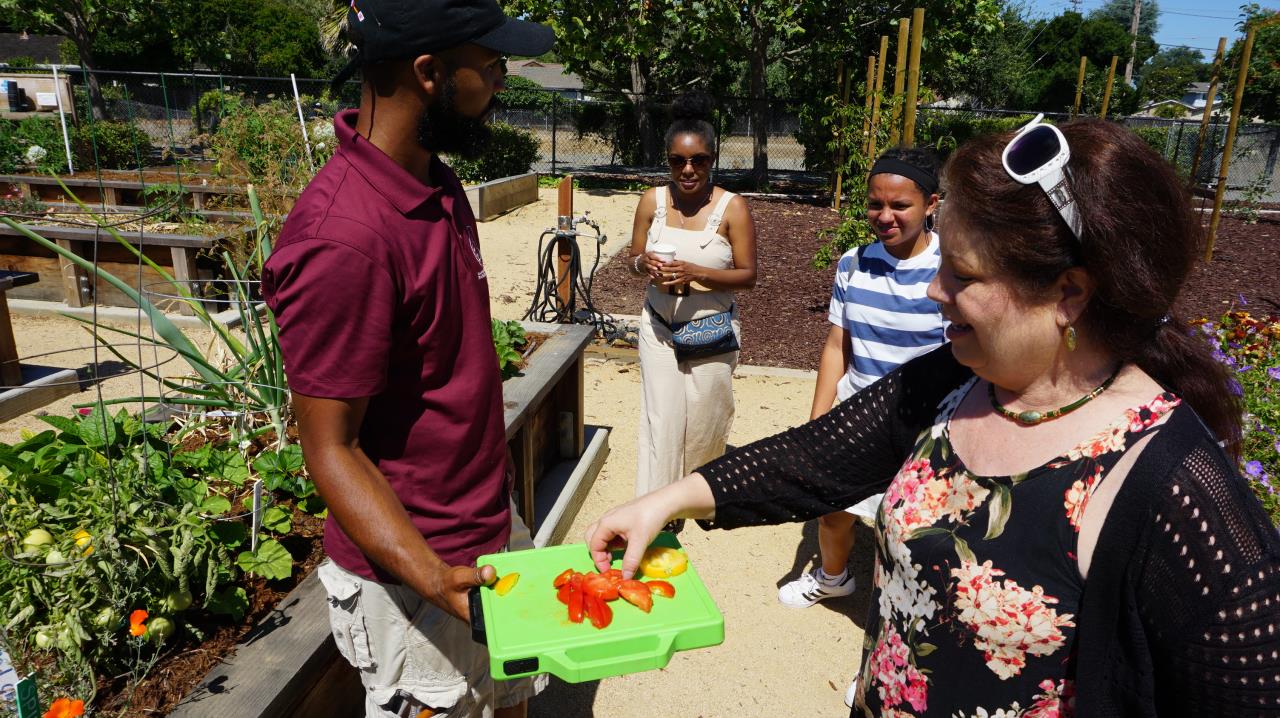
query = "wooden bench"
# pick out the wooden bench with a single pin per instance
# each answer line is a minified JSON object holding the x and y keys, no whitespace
{"x":92,"y":190}
{"x":76,"y":282}
{"x":24,"y":389}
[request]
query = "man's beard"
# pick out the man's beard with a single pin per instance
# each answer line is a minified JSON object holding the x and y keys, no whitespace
{"x":442,"y":129}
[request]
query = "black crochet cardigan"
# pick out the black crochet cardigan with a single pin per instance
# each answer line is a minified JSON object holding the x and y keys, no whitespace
{"x":1181,"y":611}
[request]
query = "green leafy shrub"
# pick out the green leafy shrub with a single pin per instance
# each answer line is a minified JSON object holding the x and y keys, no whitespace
{"x":1250,"y":347}
{"x":108,"y":144}
{"x":1154,"y":136}
{"x":260,"y":141}
{"x":508,"y":338}
{"x":23,"y":62}
{"x":524,"y":94}
{"x":17,"y":139}
{"x":945,"y":131}
{"x":512,"y":151}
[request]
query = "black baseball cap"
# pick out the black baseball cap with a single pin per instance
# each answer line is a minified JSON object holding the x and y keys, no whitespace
{"x":398,"y":29}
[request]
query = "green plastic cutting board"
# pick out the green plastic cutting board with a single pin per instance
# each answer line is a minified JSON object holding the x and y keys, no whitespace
{"x":528,"y":631}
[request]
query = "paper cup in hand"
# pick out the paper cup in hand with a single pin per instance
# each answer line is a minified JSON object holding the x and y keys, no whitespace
{"x":666,"y":252}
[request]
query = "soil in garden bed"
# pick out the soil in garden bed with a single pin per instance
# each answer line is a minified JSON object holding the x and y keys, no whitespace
{"x":784,"y":319}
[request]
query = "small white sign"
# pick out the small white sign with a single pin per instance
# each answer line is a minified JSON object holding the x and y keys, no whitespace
{"x":8,"y":680}
{"x":47,"y":100}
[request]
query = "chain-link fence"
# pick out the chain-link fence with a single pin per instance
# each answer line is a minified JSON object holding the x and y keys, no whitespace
{"x":576,"y":131}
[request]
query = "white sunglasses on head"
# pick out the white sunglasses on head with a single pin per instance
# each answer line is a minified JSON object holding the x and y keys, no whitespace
{"x":1038,"y":154}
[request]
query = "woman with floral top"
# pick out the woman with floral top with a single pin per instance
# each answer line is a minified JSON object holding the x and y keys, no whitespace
{"x":1062,"y":531}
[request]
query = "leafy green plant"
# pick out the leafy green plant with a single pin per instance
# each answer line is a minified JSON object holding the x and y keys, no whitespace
{"x":251,"y":385}
{"x":1250,"y":347}
{"x":107,"y":514}
{"x":525,"y":94}
{"x":512,"y":151}
{"x":1246,"y":207}
{"x":108,"y":144}
{"x":17,"y":139}
{"x":508,"y":337}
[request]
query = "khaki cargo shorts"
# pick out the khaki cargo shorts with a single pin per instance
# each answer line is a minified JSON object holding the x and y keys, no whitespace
{"x":412,"y":655}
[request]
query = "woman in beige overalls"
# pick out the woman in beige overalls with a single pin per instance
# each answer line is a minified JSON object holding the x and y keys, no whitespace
{"x":686,"y":407}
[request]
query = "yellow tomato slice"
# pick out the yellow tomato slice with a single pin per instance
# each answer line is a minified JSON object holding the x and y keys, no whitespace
{"x":663,"y":562}
{"x":506,"y":583}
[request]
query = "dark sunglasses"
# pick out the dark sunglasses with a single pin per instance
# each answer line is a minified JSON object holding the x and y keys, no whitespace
{"x":700,"y":162}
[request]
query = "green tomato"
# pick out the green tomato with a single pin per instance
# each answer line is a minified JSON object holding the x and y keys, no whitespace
{"x":36,"y":538}
{"x":175,"y":601}
{"x":159,"y":629}
{"x":54,"y":558}
{"x":43,"y":640}
{"x":106,"y":618}
{"x":67,"y":640}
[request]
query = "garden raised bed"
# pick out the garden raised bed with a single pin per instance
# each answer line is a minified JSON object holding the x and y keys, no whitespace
{"x":288,"y":665}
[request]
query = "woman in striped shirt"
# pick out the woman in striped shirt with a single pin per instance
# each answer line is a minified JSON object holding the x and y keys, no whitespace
{"x":880,"y":318}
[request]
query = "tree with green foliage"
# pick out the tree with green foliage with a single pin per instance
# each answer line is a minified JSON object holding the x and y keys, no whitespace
{"x":1167,"y":74}
{"x":1060,"y":43}
{"x":249,"y":37}
{"x":82,"y":22}
{"x":1262,"y":81}
{"x":1121,"y":13}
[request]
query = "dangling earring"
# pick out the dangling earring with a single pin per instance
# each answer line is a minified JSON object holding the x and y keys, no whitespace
{"x":929,"y":222}
{"x":1070,"y":338}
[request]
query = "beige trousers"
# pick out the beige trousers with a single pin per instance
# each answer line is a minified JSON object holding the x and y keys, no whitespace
{"x":686,"y":408}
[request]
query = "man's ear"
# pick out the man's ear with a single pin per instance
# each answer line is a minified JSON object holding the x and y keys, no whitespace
{"x":429,"y":74}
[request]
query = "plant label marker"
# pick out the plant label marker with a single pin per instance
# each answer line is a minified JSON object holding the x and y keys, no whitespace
{"x":257,"y":514}
{"x":25,"y":697}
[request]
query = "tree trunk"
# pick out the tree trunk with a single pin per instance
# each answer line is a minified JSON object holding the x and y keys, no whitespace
{"x":759,"y":107}
{"x":642,"y":102}
{"x":84,"y":46}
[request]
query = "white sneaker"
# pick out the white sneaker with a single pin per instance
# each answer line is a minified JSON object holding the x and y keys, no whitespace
{"x":808,"y":590}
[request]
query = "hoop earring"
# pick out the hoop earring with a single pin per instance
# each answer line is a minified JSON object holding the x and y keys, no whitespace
{"x":930,"y":222}
{"x":1069,"y":338}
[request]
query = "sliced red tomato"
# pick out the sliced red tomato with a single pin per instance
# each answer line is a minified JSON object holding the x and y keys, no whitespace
{"x":575,"y":602}
{"x":598,"y":611}
{"x":564,"y":577}
{"x":614,"y":575}
{"x":662,"y":588}
{"x":595,"y":584}
{"x":636,"y":594}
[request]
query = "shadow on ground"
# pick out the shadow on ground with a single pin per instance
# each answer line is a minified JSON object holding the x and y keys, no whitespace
{"x":861,"y":562}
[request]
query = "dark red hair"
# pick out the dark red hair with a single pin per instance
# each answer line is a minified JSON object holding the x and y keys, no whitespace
{"x":1139,"y":240}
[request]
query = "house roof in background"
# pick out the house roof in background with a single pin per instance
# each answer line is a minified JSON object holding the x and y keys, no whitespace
{"x":548,"y":74}
{"x":41,"y":48}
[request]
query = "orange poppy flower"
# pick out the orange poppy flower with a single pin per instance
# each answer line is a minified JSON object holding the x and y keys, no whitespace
{"x":65,"y":708}
{"x":137,"y":622}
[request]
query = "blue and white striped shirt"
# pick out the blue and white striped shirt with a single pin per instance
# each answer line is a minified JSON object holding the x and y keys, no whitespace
{"x":880,"y":301}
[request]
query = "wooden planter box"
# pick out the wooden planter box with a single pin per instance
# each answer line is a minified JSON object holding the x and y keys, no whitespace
{"x":288,"y":665}
{"x":61,"y":281}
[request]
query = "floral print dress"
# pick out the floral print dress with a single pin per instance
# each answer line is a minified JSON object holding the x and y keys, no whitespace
{"x":977,"y":579}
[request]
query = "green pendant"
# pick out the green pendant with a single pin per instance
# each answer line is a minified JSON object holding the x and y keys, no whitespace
{"x":1029,"y":417}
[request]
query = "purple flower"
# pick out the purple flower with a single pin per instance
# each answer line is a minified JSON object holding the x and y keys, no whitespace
{"x":1278,"y":447}
{"x":1242,"y":299}
{"x":1253,"y":468}
{"x":1274,"y":373}
{"x":1235,"y":388}
{"x":1208,"y":328}
{"x":1243,"y":369}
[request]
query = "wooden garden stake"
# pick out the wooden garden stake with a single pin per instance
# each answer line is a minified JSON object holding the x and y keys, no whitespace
{"x":1106,"y":94}
{"x":875,"y":102}
{"x":899,"y":79}
{"x":866,"y":114}
{"x":1075,"y":108}
{"x":913,"y":78}
{"x":564,"y":252}
{"x":1241,"y":75}
{"x":1208,"y":107}
{"x":842,"y":86}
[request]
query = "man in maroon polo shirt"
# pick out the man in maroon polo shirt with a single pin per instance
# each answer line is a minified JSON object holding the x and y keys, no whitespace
{"x":379,"y":290}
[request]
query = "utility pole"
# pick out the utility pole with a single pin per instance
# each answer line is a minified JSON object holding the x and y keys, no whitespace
{"x":1133,"y":46}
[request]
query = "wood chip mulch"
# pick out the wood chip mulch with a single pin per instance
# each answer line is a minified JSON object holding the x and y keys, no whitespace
{"x":784,"y":319}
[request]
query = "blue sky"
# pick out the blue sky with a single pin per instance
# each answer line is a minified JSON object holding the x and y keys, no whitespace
{"x":1194,"y":23}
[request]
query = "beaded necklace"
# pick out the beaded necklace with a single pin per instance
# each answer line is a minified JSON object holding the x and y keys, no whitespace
{"x":1032,"y":417}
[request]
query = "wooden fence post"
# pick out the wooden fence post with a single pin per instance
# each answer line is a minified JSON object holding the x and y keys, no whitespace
{"x":842,"y":85}
{"x":1106,"y":94}
{"x":1208,"y":107}
{"x":1075,"y":108}
{"x":913,"y":77}
{"x":899,"y":79}
{"x":866,"y":115}
{"x":875,"y":102}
